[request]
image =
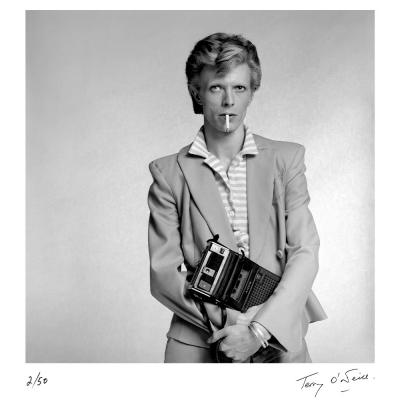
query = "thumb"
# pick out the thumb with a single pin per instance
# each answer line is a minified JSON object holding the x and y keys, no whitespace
{"x":218,"y":335}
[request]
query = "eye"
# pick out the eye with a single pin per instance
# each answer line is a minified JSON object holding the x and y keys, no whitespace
{"x":240,"y":88}
{"x":215,"y":88}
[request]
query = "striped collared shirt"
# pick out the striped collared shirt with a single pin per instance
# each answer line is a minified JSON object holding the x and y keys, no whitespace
{"x":231,"y":184}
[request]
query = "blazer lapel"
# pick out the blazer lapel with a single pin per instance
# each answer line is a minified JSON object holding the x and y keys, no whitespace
{"x":260,"y":183}
{"x":204,"y":191}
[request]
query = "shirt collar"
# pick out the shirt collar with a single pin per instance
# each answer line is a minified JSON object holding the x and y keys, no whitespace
{"x":199,"y":146}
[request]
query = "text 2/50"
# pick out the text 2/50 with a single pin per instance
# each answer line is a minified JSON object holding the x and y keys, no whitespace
{"x":39,"y":380}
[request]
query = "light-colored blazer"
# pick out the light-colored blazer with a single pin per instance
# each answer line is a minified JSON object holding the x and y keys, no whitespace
{"x":186,"y":210}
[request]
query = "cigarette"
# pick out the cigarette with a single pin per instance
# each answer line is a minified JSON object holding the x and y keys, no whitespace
{"x":226,"y":122}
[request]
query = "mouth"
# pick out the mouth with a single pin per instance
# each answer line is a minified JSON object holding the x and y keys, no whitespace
{"x":227,"y":122}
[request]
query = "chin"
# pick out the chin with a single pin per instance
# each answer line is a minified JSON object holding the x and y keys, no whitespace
{"x":231,"y":129}
{"x":226,"y":132}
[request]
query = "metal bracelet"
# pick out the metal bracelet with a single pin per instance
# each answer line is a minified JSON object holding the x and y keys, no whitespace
{"x":258,"y":334}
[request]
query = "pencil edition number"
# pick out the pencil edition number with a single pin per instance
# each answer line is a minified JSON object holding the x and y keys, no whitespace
{"x":39,"y":380}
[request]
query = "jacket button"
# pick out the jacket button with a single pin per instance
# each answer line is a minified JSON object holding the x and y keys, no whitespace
{"x":279,"y":253}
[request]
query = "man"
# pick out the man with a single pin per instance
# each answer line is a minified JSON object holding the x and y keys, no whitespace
{"x":253,"y":193}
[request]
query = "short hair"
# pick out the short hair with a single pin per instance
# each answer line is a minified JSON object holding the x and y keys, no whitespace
{"x":222,"y":51}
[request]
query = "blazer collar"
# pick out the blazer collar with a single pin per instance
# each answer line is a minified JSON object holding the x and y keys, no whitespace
{"x":260,"y":185}
{"x":205,"y":194}
{"x":201,"y":183}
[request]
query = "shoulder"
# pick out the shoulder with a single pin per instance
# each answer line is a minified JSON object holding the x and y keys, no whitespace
{"x":281,"y":148}
{"x":164,"y":163}
{"x":168,"y":166}
{"x":284,"y":152}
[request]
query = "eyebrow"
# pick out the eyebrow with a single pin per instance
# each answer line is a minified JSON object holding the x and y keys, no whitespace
{"x":237,"y":83}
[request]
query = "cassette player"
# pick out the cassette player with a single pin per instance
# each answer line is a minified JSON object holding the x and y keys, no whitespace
{"x":230,"y":279}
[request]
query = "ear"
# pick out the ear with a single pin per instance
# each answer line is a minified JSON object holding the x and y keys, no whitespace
{"x":251,"y":97}
{"x":195,"y":94}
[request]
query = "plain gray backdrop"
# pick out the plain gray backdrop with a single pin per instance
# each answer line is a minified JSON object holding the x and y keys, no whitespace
{"x":106,"y":93}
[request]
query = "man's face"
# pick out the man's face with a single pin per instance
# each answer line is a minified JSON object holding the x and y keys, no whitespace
{"x":228,"y":94}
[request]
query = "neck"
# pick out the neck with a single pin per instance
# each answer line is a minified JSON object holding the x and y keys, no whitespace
{"x":223,"y":145}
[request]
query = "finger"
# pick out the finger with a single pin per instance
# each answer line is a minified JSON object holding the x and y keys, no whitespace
{"x":222,"y":346}
{"x":218,"y":335}
{"x":241,"y":359}
{"x":230,"y":354}
{"x":243,"y":319}
{"x":252,"y":311}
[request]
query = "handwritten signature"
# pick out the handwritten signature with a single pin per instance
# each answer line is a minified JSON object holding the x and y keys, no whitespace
{"x":342,"y":380}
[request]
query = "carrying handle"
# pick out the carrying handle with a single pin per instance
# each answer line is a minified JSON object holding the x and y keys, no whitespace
{"x":214,"y":239}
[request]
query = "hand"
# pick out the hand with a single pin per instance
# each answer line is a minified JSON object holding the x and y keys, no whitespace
{"x":238,"y":343}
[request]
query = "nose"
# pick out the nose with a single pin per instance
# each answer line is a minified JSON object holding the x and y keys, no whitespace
{"x":228,"y":100}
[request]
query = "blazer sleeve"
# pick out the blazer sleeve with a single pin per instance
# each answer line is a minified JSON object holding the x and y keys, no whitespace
{"x":282,"y":315}
{"x":167,"y":279}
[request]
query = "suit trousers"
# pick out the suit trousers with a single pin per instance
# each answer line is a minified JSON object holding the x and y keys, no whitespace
{"x":179,"y":352}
